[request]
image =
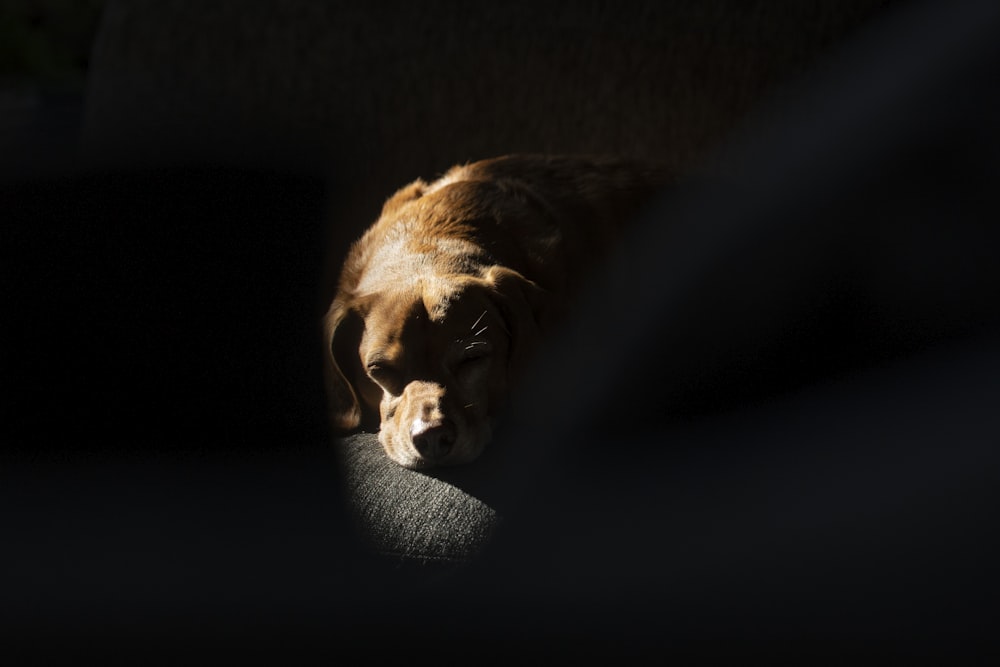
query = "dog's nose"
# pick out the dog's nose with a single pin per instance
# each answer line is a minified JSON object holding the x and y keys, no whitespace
{"x":433,"y":441}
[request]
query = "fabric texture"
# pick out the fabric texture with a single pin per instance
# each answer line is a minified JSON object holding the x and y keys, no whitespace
{"x":408,"y":515}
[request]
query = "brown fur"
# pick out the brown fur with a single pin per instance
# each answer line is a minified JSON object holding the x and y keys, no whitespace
{"x":444,"y":297}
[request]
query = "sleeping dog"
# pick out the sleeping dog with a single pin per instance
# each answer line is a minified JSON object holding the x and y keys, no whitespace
{"x":443,"y":299}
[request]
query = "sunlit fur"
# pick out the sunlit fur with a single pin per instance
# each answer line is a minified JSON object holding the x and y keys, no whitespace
{"x":443,"y":299}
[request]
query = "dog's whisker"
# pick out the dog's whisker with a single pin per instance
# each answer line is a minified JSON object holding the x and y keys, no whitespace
{"x":409,"y":269}
{"x":480,"y":319}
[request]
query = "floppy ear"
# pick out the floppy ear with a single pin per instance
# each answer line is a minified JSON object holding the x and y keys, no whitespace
{"x":342,"y":329}
{"x":408,"y":193}
{"x":524,"y":306}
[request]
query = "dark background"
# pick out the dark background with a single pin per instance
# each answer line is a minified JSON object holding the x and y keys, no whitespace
{"x":166,"y":475}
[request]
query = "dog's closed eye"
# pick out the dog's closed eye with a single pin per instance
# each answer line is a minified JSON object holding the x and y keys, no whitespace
{"x":474,"y":352}
{"x":443,"y":302}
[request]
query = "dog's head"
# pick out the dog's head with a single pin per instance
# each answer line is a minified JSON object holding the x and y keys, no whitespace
{"x":434,"y":316}
{"x":430,"y":364}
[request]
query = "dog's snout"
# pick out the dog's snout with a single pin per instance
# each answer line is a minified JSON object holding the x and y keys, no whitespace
{"x":433,"y":441}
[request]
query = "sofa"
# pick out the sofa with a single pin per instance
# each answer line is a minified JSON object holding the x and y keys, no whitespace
{"x":767,"y":428}
{"x":355,"y":95}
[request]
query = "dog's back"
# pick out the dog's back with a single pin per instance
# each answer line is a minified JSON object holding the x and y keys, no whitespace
{"x":548,"y":217}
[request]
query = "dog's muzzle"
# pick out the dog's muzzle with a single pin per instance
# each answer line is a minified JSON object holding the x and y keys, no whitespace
{"x":433,"y":440}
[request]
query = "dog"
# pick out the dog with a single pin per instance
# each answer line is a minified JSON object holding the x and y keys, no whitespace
{"x":442,"y":301}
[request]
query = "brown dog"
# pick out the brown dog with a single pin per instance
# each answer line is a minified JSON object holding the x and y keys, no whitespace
{"x":441,"y":300}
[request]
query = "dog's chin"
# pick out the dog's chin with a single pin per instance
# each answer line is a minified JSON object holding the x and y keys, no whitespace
{"x":467,"y":449}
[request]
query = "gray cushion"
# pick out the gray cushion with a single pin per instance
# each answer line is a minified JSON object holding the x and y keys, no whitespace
{"x":409,"y":515}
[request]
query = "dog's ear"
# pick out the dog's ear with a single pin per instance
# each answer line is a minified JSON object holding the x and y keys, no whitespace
{"x":404,"y":195}
{"x":523,"y":304}
{"x":349,"y":409}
